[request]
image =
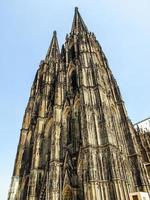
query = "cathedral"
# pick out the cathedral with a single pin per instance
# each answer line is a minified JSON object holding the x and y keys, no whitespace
{"x":76,"y":140}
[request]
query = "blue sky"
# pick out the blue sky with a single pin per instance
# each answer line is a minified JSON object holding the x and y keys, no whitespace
{"x":121,"y":26}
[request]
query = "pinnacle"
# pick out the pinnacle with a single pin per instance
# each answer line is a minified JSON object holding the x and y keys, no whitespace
{"x":78,"y":24}
{"x":76,"y":9}
{"x":53,"y":50}
{"x":55,"y":33}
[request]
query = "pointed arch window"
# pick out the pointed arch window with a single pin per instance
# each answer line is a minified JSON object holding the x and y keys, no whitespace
{"x":74,"y":83}
{"x":67,"y":126}
{"x":72,"y":54}
{"x":69,"y":139}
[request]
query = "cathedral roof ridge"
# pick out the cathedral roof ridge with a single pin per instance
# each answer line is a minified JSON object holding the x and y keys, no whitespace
{"x":148,"y":118}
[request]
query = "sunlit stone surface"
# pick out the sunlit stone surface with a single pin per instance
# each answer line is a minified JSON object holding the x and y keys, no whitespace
{"x":76,"y":141}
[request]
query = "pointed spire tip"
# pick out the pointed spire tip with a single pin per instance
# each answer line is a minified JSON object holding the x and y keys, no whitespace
{"x":78,"y":24}
{"x":54,"y":33}
{"x":76,"y":9}
{"x":53,"y":49}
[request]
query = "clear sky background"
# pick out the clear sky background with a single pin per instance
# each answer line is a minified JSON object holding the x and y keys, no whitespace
{"x":122,"y":28}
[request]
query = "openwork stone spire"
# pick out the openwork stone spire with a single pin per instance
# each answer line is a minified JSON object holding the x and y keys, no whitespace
{"x":78,"y":23}
{"x":76,"y":141}
{"x":53,"y":51}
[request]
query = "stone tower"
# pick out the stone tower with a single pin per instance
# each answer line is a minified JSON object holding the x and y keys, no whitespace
{"x":76,"y":141}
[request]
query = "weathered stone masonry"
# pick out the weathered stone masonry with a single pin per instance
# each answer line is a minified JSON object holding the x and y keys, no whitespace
{"x":76,"y":141}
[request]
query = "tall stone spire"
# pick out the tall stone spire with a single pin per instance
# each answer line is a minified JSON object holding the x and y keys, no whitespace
{"x":38,"y":109}
{"x":78,"y":23}
{"x":77,"y":142}
{"x":53,"y":51}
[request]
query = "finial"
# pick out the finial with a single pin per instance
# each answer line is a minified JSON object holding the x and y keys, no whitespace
{"x":54,"y":33}
{"x":76,"y":9}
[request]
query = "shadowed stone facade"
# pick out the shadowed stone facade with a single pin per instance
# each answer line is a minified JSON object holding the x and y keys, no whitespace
{"x":76,"y":141}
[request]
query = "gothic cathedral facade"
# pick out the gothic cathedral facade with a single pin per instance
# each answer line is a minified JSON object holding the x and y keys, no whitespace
{"x":76,"y":141}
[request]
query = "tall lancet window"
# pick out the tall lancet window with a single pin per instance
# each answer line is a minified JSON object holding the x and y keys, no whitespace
{"x":66,"y":127}
{"x":72,"y":54}
{"x":73,"y":79}
{"x":77,"y":125}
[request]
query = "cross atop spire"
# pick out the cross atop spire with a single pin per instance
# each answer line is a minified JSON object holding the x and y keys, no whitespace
{"x":53,"y":50}
{"x":78,"y":24}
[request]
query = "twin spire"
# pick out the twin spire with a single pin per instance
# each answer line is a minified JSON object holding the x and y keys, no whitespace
{"x":53,"y":50}
{"x":78,"y":26}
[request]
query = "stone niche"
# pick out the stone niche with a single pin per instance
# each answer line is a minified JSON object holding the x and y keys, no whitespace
{"x":139,"y":196}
